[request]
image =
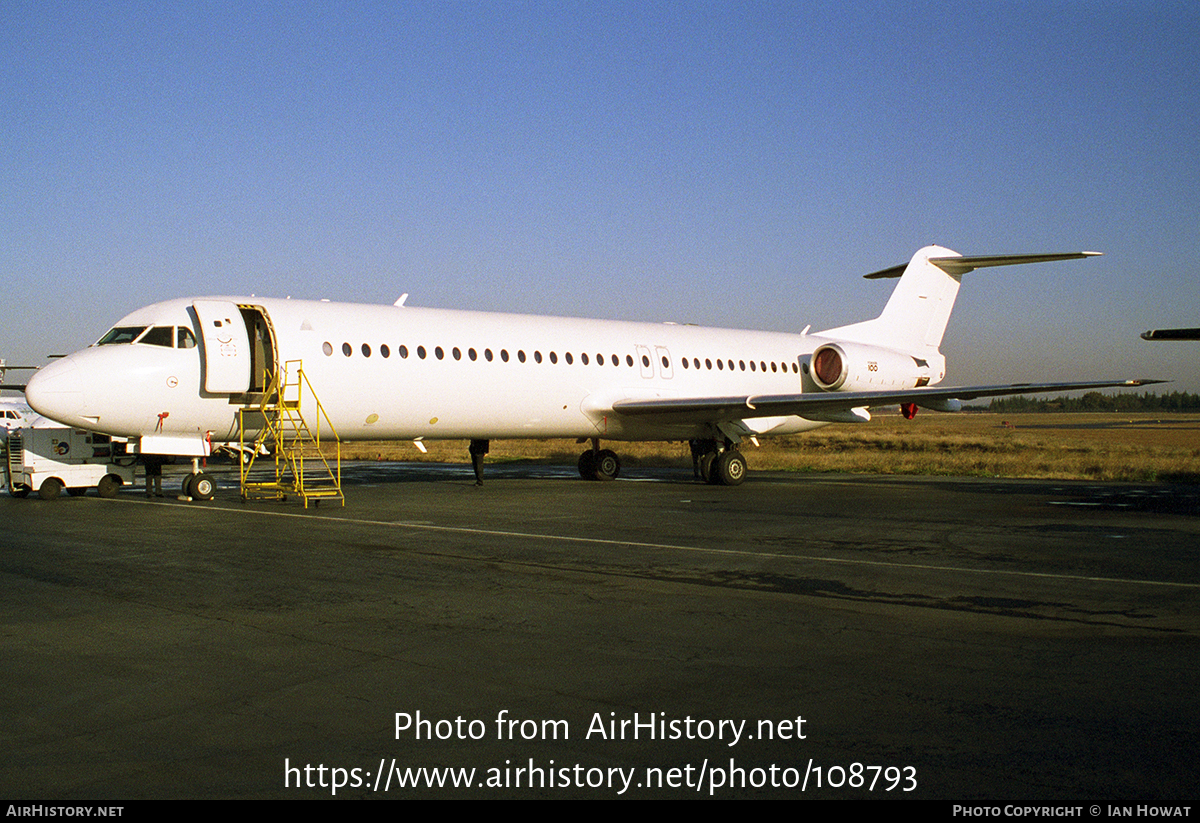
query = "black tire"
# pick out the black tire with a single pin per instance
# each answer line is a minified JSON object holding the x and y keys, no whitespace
{"x":587,"y":465}
{"x":20,"y":492}
{"x":706,"y":467}
{"x":203,"y":486}
{"x":186,"y":489}
{"x":108,"y":486}
{"x":730,"y":468}
{"x":50,"y":489}
{"x":607,"y":465}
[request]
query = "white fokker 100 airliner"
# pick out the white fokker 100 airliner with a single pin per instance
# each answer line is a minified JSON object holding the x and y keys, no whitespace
{"x":174,"y":374}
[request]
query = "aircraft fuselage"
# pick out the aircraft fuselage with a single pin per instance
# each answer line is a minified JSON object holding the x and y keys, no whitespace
{"x":388,"y":372}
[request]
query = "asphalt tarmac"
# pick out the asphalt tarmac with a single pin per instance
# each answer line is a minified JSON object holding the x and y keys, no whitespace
{"x":797,"y":636}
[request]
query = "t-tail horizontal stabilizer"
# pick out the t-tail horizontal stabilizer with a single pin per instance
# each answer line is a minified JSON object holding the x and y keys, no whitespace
{"x":915,"y":317}
{"x":962,"y":265}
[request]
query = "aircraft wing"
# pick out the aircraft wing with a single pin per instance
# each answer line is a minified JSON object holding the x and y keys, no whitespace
{"x":706,"y":409}
{"x":1171,"y":334}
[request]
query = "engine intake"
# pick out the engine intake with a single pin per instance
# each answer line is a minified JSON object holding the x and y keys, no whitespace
{"x":858,"y":367}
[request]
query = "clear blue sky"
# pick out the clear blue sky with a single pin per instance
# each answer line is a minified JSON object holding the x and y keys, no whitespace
{"x":734,"y":164}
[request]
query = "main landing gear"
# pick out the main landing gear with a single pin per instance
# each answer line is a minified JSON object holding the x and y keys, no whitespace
{"x":717,"y":465}
{"x":599,"y":464}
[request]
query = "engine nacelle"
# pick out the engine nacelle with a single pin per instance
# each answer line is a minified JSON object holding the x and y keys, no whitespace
{"x":858,"y":367}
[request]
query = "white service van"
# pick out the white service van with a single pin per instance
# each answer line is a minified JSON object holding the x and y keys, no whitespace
{"x":48,"y":460}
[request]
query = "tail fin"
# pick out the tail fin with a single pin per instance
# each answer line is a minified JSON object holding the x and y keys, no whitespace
{"x":916,"y":315}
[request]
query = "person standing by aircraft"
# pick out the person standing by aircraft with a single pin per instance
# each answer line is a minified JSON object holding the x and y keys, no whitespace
{"x":477,"y":450}
{"x":154,"y":464}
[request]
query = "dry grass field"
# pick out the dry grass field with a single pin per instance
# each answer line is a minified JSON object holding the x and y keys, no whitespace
{"x":1086,"y":446}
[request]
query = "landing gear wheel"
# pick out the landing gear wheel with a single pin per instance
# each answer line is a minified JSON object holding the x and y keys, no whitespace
{"x":587,"y":465}
{"x":203,"y":486}
{"x":607,"y":465}
{"x":699,"y":448}
{"x":730,"y":468}
{"x":186,"y":490}
{"x":50,"y":489}
{"x":108,"y":485}
{"x":706,"y":467}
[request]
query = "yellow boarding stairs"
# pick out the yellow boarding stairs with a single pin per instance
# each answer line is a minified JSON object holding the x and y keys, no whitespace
{"x":301,"y":465}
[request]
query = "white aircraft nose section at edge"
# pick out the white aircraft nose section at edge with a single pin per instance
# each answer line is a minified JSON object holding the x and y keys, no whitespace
{"x":57,"y":391}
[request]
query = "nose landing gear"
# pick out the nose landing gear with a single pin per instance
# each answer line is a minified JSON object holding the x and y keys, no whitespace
{"x":198,"y":484}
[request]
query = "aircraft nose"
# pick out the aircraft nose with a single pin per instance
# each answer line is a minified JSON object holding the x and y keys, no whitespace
{"x":54,"y":391}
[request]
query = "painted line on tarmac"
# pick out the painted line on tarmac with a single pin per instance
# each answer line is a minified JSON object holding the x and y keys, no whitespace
{"x":600,"y":541}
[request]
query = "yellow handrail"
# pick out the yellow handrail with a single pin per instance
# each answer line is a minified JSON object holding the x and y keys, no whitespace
{"x":280,"y":408}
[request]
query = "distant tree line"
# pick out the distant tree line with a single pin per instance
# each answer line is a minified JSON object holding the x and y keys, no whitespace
{"x":1094,"y":401}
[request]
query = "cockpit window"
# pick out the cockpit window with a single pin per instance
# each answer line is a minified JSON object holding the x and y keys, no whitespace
{"x":159,"y":336}
{"x":185,"y":340}
{"x":120,"y":334}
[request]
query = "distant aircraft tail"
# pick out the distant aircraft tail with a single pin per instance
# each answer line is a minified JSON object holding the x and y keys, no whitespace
{"x":916,"y":315}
